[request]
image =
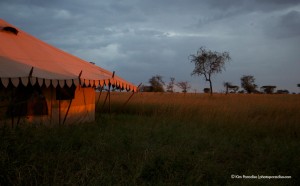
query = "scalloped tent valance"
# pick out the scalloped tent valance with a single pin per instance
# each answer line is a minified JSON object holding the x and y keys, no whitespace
{"x":25,"y":59}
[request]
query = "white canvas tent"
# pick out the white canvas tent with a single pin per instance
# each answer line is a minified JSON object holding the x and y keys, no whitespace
{"x":40,"y":83}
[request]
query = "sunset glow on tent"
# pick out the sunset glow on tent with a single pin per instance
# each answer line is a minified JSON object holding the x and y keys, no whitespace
{"x":31,"y":69}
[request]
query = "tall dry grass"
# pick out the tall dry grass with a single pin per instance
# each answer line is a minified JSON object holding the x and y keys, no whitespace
{"x":235,"y":108}
{"x":215,"y":136}
{"x":161,"y":139}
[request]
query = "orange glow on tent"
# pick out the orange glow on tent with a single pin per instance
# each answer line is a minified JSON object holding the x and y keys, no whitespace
{"x":43,"y":84}
{"x":23,"y":56}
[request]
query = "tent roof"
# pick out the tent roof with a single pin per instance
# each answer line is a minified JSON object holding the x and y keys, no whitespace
{"x":25,"y":58}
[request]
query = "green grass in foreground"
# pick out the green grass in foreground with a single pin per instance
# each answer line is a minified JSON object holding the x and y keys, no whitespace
{"x":161,"y":140}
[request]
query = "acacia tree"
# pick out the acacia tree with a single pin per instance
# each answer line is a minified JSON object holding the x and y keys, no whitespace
{"x":228,"y":86}
{"x":207,"y":63}
{"x":268,"y":89}
{"x":248,"y":83}
{"x":170,"y":86}
{"x":184,"y":86}
{"x":156,"y":84}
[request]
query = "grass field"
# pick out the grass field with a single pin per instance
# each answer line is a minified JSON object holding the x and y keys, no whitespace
{"x":162,"y":139}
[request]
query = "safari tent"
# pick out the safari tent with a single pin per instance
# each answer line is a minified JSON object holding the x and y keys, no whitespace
{"x":43,"y":84}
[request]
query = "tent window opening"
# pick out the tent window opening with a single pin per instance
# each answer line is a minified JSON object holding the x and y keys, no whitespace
{"x":27,"y":101}
{"x":65,"y":93}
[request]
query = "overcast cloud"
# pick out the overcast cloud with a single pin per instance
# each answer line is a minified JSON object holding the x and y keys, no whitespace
{"x":142,"y":38}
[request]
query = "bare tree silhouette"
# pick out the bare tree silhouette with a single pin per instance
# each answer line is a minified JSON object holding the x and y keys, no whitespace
{"x":208,"y":63}
{"x":184,"y":85}
{"x":170,"y":86}
{"x":248,"y":83}
{"x":228,"y":86}
{"x":156,"y":84}
{"x":268,"y":89}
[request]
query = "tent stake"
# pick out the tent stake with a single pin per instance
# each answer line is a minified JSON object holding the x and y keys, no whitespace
{"x":130,"y":96}
{"x":67,"y":111}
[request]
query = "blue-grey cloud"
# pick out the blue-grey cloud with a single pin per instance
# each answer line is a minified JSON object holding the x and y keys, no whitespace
{"x":141,"y":38}
{"x":287,"y":25}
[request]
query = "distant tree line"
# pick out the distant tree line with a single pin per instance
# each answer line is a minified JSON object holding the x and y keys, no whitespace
{"x":247,"y":83}
{"x":250,"y":87}
{"x":157,"y":85}
{"x":208,"y":63}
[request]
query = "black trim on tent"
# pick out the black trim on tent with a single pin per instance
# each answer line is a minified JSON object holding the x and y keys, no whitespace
{"x":10,"y":29}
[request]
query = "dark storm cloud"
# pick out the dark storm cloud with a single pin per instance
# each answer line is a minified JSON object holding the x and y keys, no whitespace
{"x":271,"y":5}
{"x":286,"y":26}
{"x":251,"y":5}
{"x":141,"y":38}
{"x":69,"y":14}
{"x":223,"y":9}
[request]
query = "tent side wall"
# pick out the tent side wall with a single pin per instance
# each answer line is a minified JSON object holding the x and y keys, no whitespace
{"x":78,"y":110}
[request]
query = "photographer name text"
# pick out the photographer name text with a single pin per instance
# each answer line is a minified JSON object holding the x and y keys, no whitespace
{"x":235,"y":176}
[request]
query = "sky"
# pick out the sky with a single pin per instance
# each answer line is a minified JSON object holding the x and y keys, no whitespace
{"x":139,"y":39}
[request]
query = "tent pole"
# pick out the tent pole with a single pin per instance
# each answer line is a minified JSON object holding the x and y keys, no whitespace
{"x":87,"y":111}
{"x":67,"y":111}
{"x":109,"y":105}
{"x":12,"y":121}
{"x":104,"y":102}
{"x":99,"y":97}
{"x":51,"y":97}
{"x":96,"y":107}
{"x":130,"y":97}
{"x":19,"y":117}
{"x":79,"y":76}
{"x":107,"y":95}
{"x":12,"y":108}
{"x":109,"y":108}
{"x":59,"y":112}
